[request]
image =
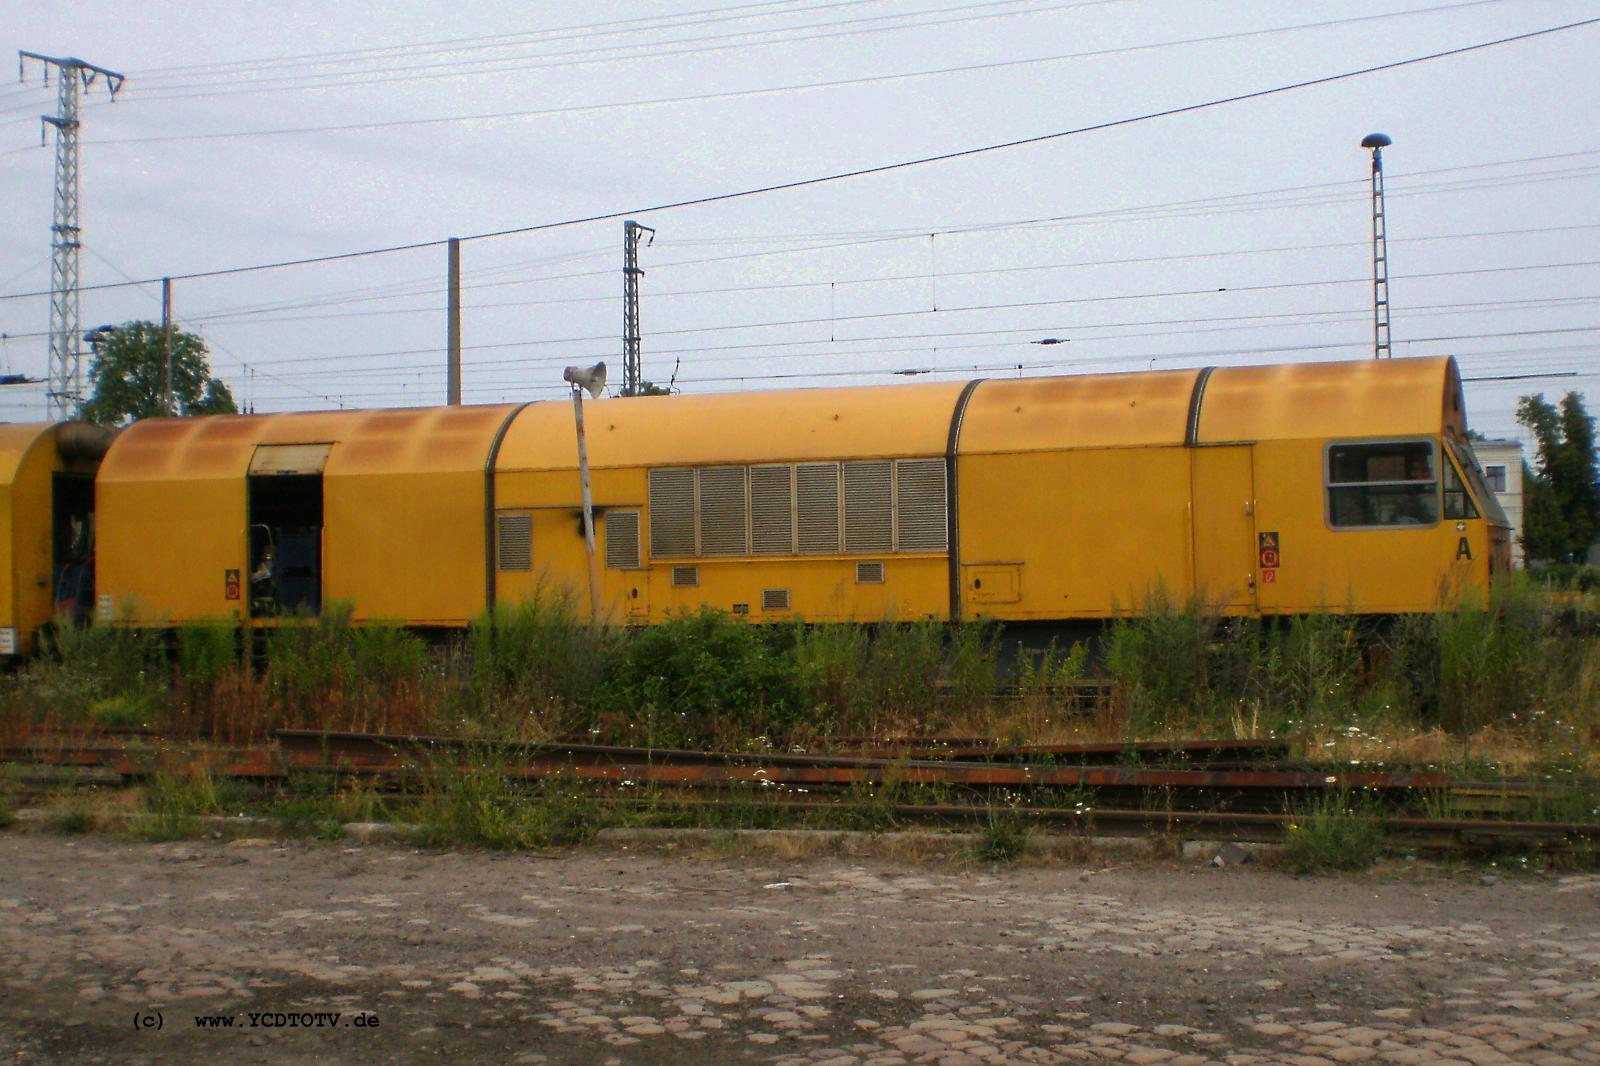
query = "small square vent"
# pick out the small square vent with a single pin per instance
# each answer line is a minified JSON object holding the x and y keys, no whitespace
{"x":869,"y":573}
{"x":685,"y":577}
{"x":774,"y":599}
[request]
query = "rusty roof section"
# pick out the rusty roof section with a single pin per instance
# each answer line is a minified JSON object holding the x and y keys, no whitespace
{"x":391,"y":441}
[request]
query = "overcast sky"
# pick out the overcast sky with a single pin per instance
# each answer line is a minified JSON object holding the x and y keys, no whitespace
{"x":254,"y":133}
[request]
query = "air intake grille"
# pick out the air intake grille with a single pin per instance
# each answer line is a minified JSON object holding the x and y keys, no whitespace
{"x":622,"y":539}
{"x":868,"y":506}
{"x":672,"y":512}
{"x":685,"y":577}
{"x":817,"y":492}
{"x":774,"y":599}
{"x":771,"y":510}
{"x":514,"y":541}
{"x":920,"y":496}
{"x":723,"y":507}
{"x":869,"y":573}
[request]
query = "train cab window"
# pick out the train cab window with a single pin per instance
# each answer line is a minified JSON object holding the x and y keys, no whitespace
{"x":1392,"y":483}
{"x":1457,"y":501}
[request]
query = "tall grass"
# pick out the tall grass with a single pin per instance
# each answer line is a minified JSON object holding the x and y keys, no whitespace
{"x":1526,"y":663}
{"x":532,"y":669}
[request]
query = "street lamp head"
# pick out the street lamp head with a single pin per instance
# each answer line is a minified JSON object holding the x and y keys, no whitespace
{"x":98,"y":334}
{"x":592,"y":378}
{"x":1376,"y":140}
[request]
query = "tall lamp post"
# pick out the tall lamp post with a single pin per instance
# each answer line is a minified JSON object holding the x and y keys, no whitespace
{"x":1380,"y":248}
{"x":592,"y":379}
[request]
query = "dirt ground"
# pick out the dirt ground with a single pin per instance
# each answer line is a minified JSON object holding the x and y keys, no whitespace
{"x":111,"y":949}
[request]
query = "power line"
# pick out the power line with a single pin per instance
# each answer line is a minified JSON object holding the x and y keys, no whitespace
{"x":904,"y":164}
{"x":587,"y":56}
{"x":762,"y":91}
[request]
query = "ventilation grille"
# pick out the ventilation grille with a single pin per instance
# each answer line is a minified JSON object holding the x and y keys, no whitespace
{"x":774,"y":599}
{"x":869,"y":506}
{"x":514,"y":541}
{"x":771,"y":510}
{"x":817,"y":493}
{"x":672,"y":512}
{"x":723,"y":508}
{"x":869,"y":573}
{"x":622,"y":539}
{"x":685,"y":577}
{"x":920,"y":496}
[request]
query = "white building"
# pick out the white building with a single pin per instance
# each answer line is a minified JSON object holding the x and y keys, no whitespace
{"x":1502,"y":469}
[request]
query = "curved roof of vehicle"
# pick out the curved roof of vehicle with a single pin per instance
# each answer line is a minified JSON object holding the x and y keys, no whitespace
{"x":16,"y":440}
{"x":1392,"y":397}
{"x":1360,"y":398}
{"x":393,"y":441}
{"x":736,"y":427}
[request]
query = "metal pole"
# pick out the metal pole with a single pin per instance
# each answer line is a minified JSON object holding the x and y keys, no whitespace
{"x":588,"y":508}
{"x":1380,"y":249}
{"x":65,"y":391}
{"x":453,"y":328}
{"x":632,"y":359}
{"x":168,"y":399}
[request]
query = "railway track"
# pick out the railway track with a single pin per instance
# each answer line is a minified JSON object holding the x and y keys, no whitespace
{"x":1219,"y":789}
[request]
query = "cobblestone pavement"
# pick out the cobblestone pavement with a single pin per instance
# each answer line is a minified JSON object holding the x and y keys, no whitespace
{"x":608,"y":956}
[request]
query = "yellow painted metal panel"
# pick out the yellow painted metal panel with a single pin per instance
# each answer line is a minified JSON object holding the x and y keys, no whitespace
{"x":164,"y":547}
{"x":751,"y":427}
{"x":1364,"y":398}
{"x":1225,"y":545}
{"x":1087,"y":411}
{"x":1093,"y":530}
{"x":405,"y":546}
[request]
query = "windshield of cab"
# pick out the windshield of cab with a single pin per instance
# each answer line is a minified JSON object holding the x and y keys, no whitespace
{"x":1472,"y":470}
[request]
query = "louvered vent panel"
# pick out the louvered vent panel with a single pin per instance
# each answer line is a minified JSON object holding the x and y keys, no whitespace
{"x":685,"y":577}
{"x":671,"y":512}
{"x":817,"y":492}
{"x":723,"y":511}
{"x":514,"y":541}
{"x":771,"y":511}
{"x":869,"y":573}
{"x":868,"y":506}
{"x":622,"y":539}
{"x":920,"y":495}
{"x":774,"y":599}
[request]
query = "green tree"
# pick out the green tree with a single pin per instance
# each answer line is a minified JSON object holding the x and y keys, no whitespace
{"x":1561,"y":500}
{"x":129,"y":373}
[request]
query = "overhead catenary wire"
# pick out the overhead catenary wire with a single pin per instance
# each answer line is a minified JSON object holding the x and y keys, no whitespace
{"x":527,"y":113}
{"x":1116,"y":214}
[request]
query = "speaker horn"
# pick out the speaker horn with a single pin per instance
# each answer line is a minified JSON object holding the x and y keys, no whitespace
{"x":591,"y":378}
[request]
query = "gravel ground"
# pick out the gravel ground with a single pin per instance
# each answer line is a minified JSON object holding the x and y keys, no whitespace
{"x":110,"y":949}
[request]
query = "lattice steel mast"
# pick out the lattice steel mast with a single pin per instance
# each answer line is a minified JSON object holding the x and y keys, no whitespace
{"x":1380,"y":248}
{"x":632,"y":360}
{"x":65,"y":393}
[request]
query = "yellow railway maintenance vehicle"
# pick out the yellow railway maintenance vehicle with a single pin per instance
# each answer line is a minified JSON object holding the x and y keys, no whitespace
{"x":1271,"y":490}
{"x":46,"y":526}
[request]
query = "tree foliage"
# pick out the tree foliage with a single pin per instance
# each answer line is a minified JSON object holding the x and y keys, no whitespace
{"x":128,"y":377}
{"x":1561,"y":493}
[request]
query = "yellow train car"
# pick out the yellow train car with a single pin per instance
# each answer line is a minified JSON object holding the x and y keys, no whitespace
{"x":263,"y":516}
{"x":1271,"y":490}
{"x":46,"y":525}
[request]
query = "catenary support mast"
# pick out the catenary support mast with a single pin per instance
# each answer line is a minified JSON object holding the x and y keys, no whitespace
{"x":632,"y":360}
{"x":65,"y":393}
